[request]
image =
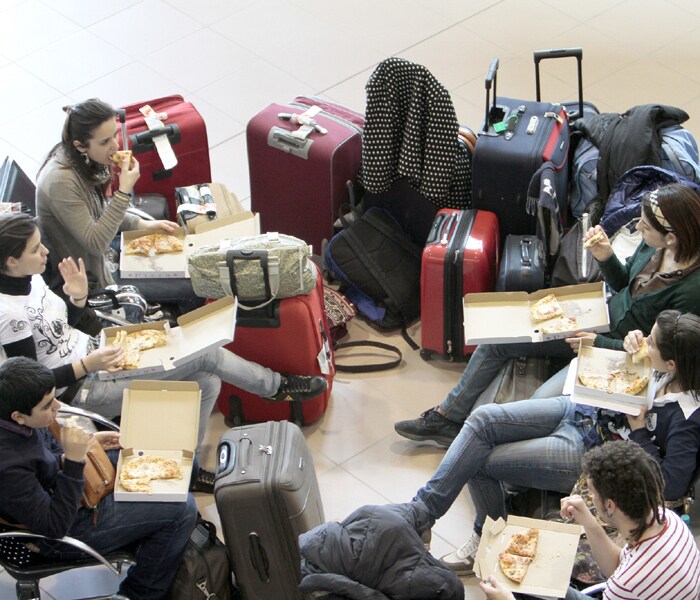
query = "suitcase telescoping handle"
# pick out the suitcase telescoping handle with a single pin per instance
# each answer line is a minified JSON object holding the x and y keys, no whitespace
{"x":577,"y":53}
{"x":491,"y":76}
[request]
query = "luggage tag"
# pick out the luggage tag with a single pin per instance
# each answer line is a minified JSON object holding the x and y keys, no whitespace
{"x":324,"y":356}
{"x":154,"y":121}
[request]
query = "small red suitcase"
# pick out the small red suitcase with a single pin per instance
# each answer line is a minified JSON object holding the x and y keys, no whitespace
{"x":187,"y":133}
{"x":289,"y":335}
{"x":298,"y":186}
{"x":461,"y":256}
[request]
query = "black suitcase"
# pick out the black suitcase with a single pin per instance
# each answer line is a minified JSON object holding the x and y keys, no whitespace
{"x":266,"y":494}
{"x":522,"y":265}
{"x":516,"y":138}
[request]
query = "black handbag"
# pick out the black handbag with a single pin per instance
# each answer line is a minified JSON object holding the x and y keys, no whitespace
{"x":205,"y":569}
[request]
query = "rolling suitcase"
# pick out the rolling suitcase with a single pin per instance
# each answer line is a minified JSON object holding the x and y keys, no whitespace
{"x":516,"y":139}
{"x":187,"y":134}
{"x":461,"y":256}
{"x":522,"y":265}
{"x":266,"y":493}
{"x":298,"y":184}
{"x":288,"y":335}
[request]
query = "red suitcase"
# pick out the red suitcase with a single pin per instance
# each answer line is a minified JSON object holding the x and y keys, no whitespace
{"x":298,"y":186}
{"x":187,"y":133}
{"x":289,"y":335}
{"x":461,"y":256}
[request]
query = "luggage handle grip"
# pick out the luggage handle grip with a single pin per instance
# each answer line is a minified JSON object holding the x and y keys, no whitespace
{"x":258,"y":557}
{"x":525,"y":259}
{"x":143,"y":140}
{"x":577,"y":53}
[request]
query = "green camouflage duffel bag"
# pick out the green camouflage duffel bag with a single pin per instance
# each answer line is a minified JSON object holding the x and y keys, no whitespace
{"x":256,"y":269}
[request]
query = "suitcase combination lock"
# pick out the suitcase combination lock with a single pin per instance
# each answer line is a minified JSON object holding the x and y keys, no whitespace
{"x":265,"y":449}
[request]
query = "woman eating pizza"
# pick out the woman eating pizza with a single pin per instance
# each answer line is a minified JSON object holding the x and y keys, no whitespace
{"x":77,"y":218}
{"x":539,"y":443}
{"x":660,"y":560}
{"x":36,"y":323}
{"x":663,"y":273}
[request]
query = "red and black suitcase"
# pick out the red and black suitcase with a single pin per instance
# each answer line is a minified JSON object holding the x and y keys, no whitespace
{"x":288,"y":335}
{"x":461,"y":256}
{"x":515,"y":140}
{"x":187,"y":134}
{"x":266,"y":493}
{"x":297,"y":185}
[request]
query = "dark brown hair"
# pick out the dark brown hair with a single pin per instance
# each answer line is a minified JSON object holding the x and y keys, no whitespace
{"x":15,"y":230}
{"x":678,"y":339}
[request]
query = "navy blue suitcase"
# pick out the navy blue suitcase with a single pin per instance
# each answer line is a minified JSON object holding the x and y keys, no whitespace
{"x":515,"y":140}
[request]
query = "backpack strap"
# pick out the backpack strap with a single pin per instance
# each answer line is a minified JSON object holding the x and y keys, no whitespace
{"x":371,"y":367}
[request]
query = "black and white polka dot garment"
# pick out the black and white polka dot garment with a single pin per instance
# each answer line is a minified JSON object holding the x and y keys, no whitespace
{"x":411,"y":131}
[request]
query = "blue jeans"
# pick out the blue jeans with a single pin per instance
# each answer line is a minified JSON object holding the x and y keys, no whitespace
{"x":483,"y":366}
{"x":532,"y":443}
{"x":161,"y":530}
{"x":208,"y":370}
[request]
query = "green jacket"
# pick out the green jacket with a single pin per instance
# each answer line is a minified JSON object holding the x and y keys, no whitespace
{"x":628,"y":313}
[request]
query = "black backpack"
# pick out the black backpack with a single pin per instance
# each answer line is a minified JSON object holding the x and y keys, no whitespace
{"x":378,"y":266}
{"x":205,"y":569}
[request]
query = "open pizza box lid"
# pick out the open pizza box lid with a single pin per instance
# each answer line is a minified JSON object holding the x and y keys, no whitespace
{"x":197,"y":333}
{"x":504,"y":317}
{"x":549,"y":573}
{"x":159,"y":418}
{"x":233,"y":226}
{"x":603,"y":361}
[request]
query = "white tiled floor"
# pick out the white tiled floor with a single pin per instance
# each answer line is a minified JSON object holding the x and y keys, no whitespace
{"x":233,"y":57}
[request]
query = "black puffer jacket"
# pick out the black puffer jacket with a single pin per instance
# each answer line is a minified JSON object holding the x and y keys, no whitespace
{"x":376,"y":553}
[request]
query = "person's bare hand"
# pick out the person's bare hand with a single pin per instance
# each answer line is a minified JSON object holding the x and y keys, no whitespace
{"x":601,"y":250}
{"x":129,"y":174}
{"x":109,"y":440}
{"x":165,"y":226}
{"x":74,"y":277}
{"x":633,"y":341}
{"x":578,"y":336}
{"x":495,"y":590}
{"x":75,"y":442}
{"x":104,"y":359}
{"x":573,"y":508}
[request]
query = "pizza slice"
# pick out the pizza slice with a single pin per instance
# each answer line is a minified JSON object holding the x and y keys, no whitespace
{"x":136,"y":485}
{"x":132,"y":354}
{"x":624,"y":382}
{"x":596,"y":238}
{"x":523,"y":543}
{"x":594,"y":381}
{"x":140,"y":246}
{"x":642,"y":353}
{"x":147,"y":338}
{"x":136,"y":475}
{"x":545,"y":308}
{"x":559,"y":325}
{"x":165,"y":244}
{"x":120,"y":156}
{"x":514,"y":567}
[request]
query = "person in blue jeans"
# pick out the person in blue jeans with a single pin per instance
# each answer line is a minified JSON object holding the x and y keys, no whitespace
{"x":539,"y":443}
{"x":42,"y":485}
{"x":663,"y":273}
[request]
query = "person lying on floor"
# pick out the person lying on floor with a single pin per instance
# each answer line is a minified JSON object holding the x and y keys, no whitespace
{"x":76,"y":217}
{"x":660,"y":560}
{"x":663,"y":273}
{"x":42,"y":485}
{"x":539,"y":443}
{"x":36,"y":323}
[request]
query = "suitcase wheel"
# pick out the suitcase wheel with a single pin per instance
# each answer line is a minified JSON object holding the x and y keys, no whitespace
{"x":426,"y":354}
{"x":234,"y":418}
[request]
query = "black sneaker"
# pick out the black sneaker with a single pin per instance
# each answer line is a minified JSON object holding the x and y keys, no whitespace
{"x":430,"y":426}
{"x":299,"y":387}
{"x":204,"y":482}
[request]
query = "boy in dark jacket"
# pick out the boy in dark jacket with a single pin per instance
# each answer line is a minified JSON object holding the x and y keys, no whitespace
{"x":43,"y":484}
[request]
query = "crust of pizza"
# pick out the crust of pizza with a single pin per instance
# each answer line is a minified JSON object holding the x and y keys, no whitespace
{"x":140,"y":246}
{"x":119,"y":156}
{"x":136,"y":342}
{"x":641,"y":354}
{"x":545,"y":309}
{"x":596,"y":238}
{"x":559,"y":325}
{"x":136,"y":475}
{"x":514,"y":567}
{"x":523,"y":543}
{"x":165,"y":244}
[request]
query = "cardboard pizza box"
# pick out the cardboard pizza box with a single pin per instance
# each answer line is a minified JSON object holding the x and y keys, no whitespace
{"x":549,"y":573}
{"x":504,"y":317}
{"x":159,"y":418}
{"x":233,"y":226}
{"x":198,"y":332}
{"x":603,"y":361}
